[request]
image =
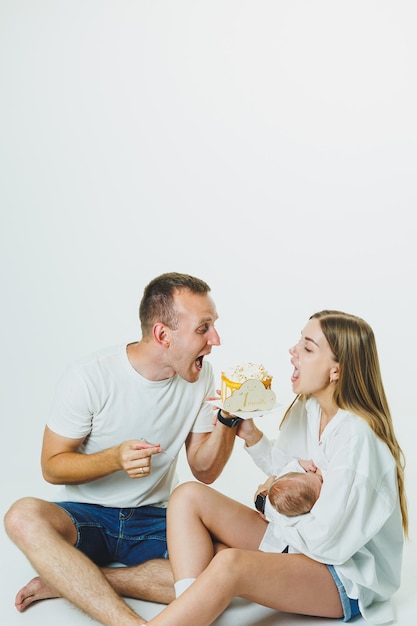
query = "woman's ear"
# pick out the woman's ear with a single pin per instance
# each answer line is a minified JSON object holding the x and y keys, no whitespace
{"x":334,"y":373}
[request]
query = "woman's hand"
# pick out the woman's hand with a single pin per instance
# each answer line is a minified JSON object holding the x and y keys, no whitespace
{"x":263,"y":491}
{"x":264,"y":488}
{"x":249,"y":432}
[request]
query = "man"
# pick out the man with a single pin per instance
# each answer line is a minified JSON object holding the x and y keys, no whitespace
{"x":117,"y":424}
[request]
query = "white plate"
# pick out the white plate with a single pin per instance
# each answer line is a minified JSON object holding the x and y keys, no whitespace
{"x":247,"y":415}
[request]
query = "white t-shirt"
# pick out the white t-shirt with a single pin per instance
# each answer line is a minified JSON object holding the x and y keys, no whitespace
{"x":355,"y":524}
{"x":104,"y":399}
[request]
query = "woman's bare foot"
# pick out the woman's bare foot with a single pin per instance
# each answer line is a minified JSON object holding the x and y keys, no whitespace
{"x":34,"y":591}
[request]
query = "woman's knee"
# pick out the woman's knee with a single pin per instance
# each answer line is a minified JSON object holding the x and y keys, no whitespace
{"x":229,"y":558}
{"x":227,"y":568}
{"x":186,"y":495}
{"x":229,"y":562}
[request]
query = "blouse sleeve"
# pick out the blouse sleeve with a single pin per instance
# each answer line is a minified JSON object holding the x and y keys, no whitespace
{"x":271,"y":455}
{"x":268,"y":456}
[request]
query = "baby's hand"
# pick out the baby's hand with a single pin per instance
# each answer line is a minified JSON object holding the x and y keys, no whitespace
{"x":308,"y":466}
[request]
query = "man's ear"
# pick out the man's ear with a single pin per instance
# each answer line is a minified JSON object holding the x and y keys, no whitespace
{"x":161,"y":334}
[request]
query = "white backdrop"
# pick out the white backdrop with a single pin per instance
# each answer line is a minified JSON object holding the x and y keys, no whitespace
{"x":267,"y":146}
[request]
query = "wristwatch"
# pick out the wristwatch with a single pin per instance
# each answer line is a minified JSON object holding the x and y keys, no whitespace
{"x":230,"y":422}
{"x":260,"y":502}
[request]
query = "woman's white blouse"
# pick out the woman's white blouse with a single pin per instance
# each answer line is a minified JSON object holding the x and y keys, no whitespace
{"x":355,"y":524}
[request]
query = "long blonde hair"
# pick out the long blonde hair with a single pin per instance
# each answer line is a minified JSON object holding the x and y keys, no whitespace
{"x":359,"y":388}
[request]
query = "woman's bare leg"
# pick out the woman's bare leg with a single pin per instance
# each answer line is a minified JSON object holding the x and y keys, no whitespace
{"x":292,"y":583}
{"x":197,"y":516}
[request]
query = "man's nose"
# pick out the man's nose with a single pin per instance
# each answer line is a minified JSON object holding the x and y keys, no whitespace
{"x":214,"y":339}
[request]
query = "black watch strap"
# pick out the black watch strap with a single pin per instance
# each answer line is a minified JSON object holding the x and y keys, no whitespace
{"x":230,"y":422}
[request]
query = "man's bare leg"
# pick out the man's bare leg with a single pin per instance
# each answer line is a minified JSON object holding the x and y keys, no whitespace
{"x":34,"y":591}
{"x":45,"y":534}
{"x":151,"y":581}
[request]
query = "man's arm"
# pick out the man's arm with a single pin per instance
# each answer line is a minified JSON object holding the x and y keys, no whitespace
{"x":62,"y":463}
{"x":208,"y":453}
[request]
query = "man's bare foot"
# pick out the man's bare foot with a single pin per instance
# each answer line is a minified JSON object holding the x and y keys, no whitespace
{"x":34,"y":591}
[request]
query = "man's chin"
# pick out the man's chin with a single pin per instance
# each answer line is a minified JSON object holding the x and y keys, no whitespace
{"x":191,"y":377}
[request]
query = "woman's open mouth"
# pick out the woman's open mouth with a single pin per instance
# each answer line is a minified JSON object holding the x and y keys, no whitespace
{"x":295,"y":375}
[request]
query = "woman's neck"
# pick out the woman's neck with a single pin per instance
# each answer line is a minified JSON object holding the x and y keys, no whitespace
{"x":328,"y":411}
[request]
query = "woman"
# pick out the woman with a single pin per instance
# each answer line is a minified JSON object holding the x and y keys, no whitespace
{"x":344,"y":557}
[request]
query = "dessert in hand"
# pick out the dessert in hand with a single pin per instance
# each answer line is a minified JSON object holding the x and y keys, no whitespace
{"x":247,"y":388}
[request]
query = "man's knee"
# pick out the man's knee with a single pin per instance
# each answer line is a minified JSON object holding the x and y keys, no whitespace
{"x":29,"y":516}
{"x":18,"y":516}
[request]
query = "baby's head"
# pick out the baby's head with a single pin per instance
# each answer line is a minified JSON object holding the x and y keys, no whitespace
{"x":295,"y":493}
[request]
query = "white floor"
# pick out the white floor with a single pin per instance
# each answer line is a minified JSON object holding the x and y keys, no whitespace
{"x":240,"y":479}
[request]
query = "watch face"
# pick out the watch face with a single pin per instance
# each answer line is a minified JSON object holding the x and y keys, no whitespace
{"x":260,"y":502}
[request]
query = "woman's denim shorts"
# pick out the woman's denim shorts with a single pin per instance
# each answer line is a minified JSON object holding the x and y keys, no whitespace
{"x":128,"y":536}
{"x":350,"y":607}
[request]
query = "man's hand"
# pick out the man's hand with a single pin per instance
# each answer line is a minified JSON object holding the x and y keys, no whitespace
{"x":135,"y":457}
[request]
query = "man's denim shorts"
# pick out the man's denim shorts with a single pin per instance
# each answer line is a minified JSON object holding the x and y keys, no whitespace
{"x":128,"y":536}
{"x":350,"y":607}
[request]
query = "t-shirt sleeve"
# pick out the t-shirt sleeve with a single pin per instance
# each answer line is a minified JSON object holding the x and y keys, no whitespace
{"x":70,"y":414}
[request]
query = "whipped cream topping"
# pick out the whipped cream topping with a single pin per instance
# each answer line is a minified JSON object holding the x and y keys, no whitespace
{"x":241,"y":373}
